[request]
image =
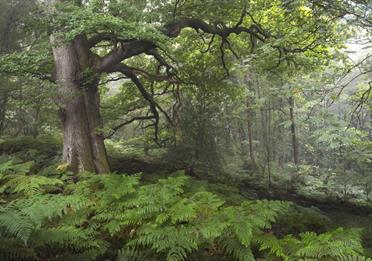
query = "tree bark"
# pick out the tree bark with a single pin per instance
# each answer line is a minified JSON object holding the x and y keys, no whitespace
{"x":92,"y":102}
{"x":5,"y":47}
{"x":293,"y":130}
{"x":250,"y":133}
{"x":3,"y":102}
{"x":83,"y":145}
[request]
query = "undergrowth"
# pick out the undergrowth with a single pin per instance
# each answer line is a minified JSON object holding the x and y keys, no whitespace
{"x":54,"y":215}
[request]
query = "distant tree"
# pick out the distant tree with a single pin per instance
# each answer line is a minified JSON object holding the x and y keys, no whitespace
{"x":12,"y":21}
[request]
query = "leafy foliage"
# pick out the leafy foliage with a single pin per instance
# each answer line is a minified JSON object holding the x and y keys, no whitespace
{"x":238,"y":91}
{"x":115,"y":216}
{"x":310,"y":246}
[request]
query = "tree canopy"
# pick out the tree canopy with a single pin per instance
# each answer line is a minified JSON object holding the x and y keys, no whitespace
{"x":199,"y":115}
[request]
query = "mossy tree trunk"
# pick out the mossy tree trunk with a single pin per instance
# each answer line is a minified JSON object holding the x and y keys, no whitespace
{"x":83,"y":144}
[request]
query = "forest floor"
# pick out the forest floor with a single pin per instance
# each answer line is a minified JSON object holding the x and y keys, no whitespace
{"x":337,"y":210}
{"x":341,"y":213}
{"x":345,"y":216}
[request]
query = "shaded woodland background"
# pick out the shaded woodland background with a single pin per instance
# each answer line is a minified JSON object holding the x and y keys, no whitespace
{"x":222,"y":104}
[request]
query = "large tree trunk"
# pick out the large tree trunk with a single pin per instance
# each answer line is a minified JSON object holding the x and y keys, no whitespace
{"x":83,"y":145}
{"x":92,"y":103}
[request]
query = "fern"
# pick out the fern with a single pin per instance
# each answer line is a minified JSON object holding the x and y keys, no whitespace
{"x":332,"y":244}
{"x":29,"y":185}
{"x":236,"y":249}
{"x":6,"y":166}
{"x":161,"y":216}
{"x":66,"y":237}
{"x":277,"y":248}
{"x":15,"y":179}
{"x":12,"y":166}
{"x":353,"y":258}
{"x":310,"y":246}
{"x":21,"y":217}
{"x":11,"y":249}
{"x":118,"y":217}
{"x":129,"y":254}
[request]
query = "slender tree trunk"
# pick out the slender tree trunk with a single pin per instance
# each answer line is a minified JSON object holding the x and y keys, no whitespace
{"x":250,"y":133}
{"x":34,"y":126}
{"x":268,"y":143}
{"x":293,"y":130}
{"x":83,"y":145}
{"x":241,"y":140}
{"x":5,"y":47}
{"x":265,"y":115}
{"x":3,"y":102}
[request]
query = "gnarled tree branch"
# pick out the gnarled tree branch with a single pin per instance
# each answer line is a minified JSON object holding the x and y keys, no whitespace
{"x":154,"y":107}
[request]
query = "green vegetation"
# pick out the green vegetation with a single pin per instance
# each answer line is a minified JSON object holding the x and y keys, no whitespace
{"x":63,"y":217}
{"x":186,"y":130}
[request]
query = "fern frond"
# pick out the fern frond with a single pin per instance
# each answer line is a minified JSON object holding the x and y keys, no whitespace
{"x":21,"y":217}
{"x":274,"y":246}
{"x":176,"y":254}
{"x":353,"y":258}
{"x":235,"y":248}
{"x":130,"y":254}
{"x":11,"y":166}
{"x":29,"y":185}
{"x":11,"y":249}
{"x":66,"y":238}
{"x":331,"y":244}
